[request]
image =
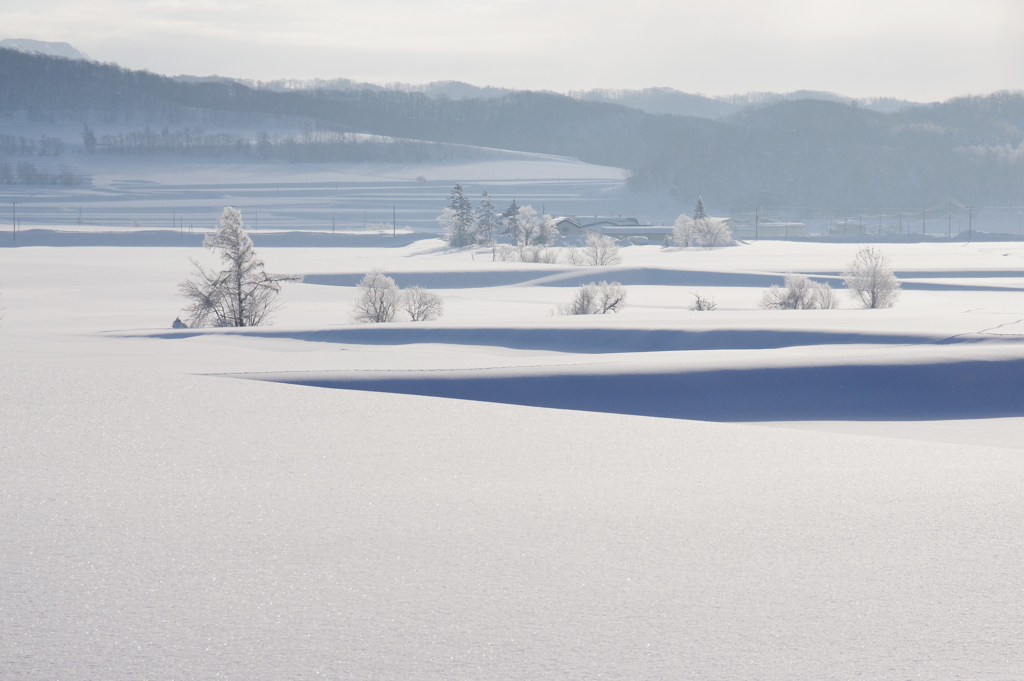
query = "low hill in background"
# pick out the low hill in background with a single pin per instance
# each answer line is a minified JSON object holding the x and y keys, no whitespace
{"x":809,"y":152}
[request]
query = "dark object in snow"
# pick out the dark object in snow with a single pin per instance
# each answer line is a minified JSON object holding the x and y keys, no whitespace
{"x":178,"y":324}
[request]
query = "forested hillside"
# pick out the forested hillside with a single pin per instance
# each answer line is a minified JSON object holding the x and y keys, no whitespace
{"x":809,"y":153}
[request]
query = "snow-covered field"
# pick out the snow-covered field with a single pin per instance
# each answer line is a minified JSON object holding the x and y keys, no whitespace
{"x":848,"y":504}
{"x":174,"y":193}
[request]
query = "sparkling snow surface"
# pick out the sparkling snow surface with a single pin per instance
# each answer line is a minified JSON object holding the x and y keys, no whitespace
{"x":158,"y":523}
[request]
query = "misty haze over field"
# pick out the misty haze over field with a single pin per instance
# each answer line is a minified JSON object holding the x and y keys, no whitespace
{"x":808,"y":155}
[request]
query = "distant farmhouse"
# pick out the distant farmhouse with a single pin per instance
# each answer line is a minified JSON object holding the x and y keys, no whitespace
{"x":615,"y":227}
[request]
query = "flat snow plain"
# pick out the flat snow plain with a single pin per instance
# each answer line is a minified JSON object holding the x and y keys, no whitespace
{"x":160,"y":518}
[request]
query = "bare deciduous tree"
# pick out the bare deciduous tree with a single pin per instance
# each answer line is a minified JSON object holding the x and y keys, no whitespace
{"x":573,"y":255}
{"x":599,"y":298}
{"x":799,"y":293}
{"x":378,"y":299}
{"x":601,"y":250}
{"x":504,"y":253}
{"x":870,"y":279}
{"x":242,"y":294}
{"x":702,"y":304}
{"x":422,"y":305}
{"x":539,"y":254}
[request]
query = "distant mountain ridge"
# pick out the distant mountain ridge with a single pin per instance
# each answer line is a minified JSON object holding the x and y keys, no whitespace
{"x":657,"y":100}
{"x":65,"y":50}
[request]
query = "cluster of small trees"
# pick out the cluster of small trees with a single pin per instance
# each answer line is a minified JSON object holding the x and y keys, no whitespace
{"x":597,"y":250}
{"x":186,"y":142}
{"x":599,"y":298}
{"x":380,"y":301}
{"x":530,"y":236}
{"x":869,"y":280}
{"x":244,"y":294}
{"x":26,"y":146}
{"x":799,"y":293}
{"x":465,"y":225}
{"x":701,"y":230}
{"x":25,"y":172}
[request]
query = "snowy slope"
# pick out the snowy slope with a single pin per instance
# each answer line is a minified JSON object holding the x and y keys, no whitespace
{"x":169,"y":527}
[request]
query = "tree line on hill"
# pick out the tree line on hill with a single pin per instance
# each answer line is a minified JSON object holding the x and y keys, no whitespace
{"x":28,"y":173}
{"x":310,"y":147}
{"x":807,"y":153}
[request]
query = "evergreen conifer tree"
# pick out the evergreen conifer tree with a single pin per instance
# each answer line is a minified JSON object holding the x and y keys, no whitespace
{"x":460,"y":223}
{"x":510,"y":218}
{"x":486,"y":219}
{"x":699,"y":213}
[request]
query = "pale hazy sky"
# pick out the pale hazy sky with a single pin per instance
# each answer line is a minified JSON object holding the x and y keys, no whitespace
{"x":917,"y":49}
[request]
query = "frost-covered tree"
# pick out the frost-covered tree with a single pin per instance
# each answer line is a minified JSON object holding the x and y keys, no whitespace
{"x":574,"y":255}
{"x":599,"y":298}
{"x":378,"y":299}
{"x":705,"y":231}
{"x":486,"y":219}
{"x":531,"y":225}
{"x":870,"y":279}
{"x":698,"y":211}
{"x":422,"y":305}
{"x":799,"y":293}
{"x":242,"y":294}
{"x":601,"y":250}
{"x":457,"y":219}
{"x":684,"y":232}
{"x":546,"y":231}
{"x":510,"y":222}
{"x":713,"y":233}
{"x":539,"y":254}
